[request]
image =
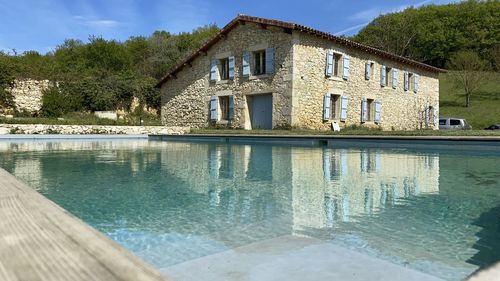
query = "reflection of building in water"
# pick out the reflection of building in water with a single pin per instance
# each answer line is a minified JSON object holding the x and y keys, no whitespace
{"x":341,"y":184}
{"x":319,"y":186}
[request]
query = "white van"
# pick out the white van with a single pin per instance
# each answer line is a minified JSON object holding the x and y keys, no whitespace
{"x":453,"y":123}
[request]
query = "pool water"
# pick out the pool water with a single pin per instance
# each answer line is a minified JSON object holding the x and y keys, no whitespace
{"x":436,"y":211}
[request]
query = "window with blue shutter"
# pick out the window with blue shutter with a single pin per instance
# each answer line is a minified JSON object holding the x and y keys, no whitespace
{"x":343,"y":108}
{"x":378,"y":112}
{"x":269,"y":60}
{"x":415,"y":83}
{"x":246,"y":64}
{"x":231,"y":108}
{"x":364,"y":110}
{"x":231,"y":67}
{"x":329,"y":63}
{"x":326,"y":106}
{"x":368,"y":70}
{"x":383,"y":76}
{"x":213,"y":108}
{"x":406,"y":81}
{"x":213,"y":70}
{"x":346,"y":67}
{"x":394,"y":78}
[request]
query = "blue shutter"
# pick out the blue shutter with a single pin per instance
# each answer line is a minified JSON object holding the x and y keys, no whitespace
{"x":326,"y":107}
{"x":346,"y":67}
{"x":213,"y":108}
{"x":406,"y":81}
{"x":269,"y":60}
{"x":213,"y":70}
{"x":394,"y":78}
{"x":246,"y":63}
{"x":231,"y":107}
{"x":329,"y":63}
{"x":364,"y":110}
{"x":415,"y":82}
{"x":368,"y":70}
{"x":343,"y":108}
{"x":378,"y":112}
{"x":383,"y":76}
{"x":231,"y":67}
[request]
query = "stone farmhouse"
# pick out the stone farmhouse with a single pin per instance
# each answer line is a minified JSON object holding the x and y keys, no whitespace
{"x":261,"y":73}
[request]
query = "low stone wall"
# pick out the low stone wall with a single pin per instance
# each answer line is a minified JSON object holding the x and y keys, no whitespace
{"x":90,"y":129}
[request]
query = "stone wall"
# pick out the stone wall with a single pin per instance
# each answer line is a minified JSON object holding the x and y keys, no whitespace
{"x":90,"y":129}
{"x":186,"y":98}
{"x":401,"y":110}
{"x":27,"y":94}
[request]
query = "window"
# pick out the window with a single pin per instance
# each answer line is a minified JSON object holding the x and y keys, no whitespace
{"x":335,"y":107}
{"x":455,"y":122}
{"x":411,"y":82}
{"x":224,"y":107}
{"x":370,"y":114}
{"x":224,"y":68}
{"x":388,"y":76}
{"x":337,"y":64}
{"x":442,"y":121}
{"x":260,"y":62}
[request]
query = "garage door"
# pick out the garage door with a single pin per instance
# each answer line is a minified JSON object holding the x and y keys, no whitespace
{"x":262,"y":112}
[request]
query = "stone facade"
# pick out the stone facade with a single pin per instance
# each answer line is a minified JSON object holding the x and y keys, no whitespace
{"x":298,"y":84}
{"x":186,"y":99}
{"x":27,"y":94}
{"x":90,"y":129}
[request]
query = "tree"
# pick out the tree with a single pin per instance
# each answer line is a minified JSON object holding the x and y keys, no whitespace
{"x":467,"y":72}
{"x":6,"y":81}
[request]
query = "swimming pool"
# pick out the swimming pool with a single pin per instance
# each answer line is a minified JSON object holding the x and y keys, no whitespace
{"x":435,"y":211}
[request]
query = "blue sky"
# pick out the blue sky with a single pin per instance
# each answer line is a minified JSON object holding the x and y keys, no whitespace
{"x":43,"y":24}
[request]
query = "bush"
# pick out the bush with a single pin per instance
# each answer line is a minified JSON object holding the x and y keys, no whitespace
{"x":55,"y":103}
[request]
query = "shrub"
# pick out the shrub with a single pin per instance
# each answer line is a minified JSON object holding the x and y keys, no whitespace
{"x":55,"y":103}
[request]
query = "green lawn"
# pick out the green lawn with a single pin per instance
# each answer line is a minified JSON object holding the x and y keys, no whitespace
{"x":485,"y":109}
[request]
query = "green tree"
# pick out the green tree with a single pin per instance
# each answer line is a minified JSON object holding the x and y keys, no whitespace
{"x":435,"y":32}
{"x":467,"y":70}
{"x":6,"y":81}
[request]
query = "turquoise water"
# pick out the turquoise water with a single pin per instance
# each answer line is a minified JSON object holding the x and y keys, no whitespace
{"x":436,"y":211}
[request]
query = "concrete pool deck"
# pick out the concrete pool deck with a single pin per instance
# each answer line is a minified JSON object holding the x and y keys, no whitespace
{"x":41,"y":241}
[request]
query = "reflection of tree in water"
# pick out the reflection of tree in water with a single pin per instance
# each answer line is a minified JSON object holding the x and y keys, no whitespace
{"x":489,"y":238}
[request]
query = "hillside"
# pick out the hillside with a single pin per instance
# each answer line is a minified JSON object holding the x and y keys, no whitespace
{"x":485,"y":106}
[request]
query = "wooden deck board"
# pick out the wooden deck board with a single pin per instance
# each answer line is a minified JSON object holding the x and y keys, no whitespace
{"x":41,"y":241}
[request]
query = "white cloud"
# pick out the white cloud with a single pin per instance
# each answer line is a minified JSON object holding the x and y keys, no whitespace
{"x":350,"y":29}
{"x":96,"y":23}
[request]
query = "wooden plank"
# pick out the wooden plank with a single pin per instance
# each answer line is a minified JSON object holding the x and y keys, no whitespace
{"x":41,"y":241}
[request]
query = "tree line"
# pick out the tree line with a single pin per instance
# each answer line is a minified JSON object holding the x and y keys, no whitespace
{"x":433,"y":34}
{"x":101,"y":74}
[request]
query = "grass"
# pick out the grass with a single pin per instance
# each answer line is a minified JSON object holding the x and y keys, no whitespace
{"x":485,"y":103}
{"x":82,"y":119}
